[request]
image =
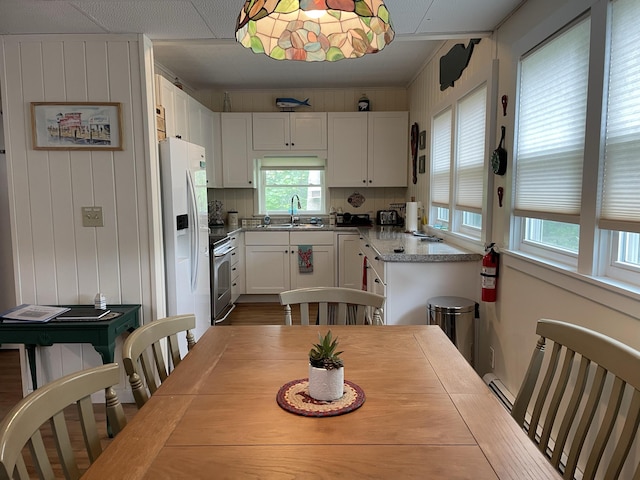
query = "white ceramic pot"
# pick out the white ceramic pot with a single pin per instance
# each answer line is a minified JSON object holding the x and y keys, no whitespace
{"x":326,"y":384}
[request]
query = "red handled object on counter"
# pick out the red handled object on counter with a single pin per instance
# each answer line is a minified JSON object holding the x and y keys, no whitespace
{"x":489,"y":274}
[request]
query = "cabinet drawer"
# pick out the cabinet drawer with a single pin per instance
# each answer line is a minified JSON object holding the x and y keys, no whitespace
{"x":266,"y":238}
{"x":311,"y":238}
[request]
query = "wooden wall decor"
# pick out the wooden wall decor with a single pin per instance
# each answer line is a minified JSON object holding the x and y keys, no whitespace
{"x":454,"y":62}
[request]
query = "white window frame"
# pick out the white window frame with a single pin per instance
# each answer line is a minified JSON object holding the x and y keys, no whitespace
{"x":463,"y":234}
{"x":292,"y":163}
{"x":595,"y":275}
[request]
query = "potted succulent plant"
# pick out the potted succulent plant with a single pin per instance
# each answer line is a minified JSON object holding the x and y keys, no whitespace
{"x":326,"y":370}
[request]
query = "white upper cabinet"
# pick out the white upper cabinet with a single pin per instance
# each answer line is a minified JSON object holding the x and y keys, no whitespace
{"x":347,"y":152}
{"x":368,"y":149}
{"x":289,"y":131}
{"x":237,"y":161}
{"x":388,"y":150}
{"x":176,"y":108}
{"x":204,"y":130}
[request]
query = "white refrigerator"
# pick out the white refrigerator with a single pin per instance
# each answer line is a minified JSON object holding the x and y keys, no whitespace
{"x":186,"y":232}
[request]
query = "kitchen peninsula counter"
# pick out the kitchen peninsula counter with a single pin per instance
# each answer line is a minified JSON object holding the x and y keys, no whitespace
{"x":384,"y":240}
{"x":410,"y":278}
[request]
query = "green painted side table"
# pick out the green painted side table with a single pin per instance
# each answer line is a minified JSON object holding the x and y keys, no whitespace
{"x":101,"y":334}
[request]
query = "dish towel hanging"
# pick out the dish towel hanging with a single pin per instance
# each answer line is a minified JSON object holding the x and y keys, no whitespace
{"x":305,"y":258}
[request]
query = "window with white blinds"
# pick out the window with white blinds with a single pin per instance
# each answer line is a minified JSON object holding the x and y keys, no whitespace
{"x":470,"y":150}
{"x":551,"y":126}
{"x":621,"y":182}
{"x":441,"y":158}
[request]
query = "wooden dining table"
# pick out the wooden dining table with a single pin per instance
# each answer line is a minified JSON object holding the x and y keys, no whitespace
{"x":426,"y":414}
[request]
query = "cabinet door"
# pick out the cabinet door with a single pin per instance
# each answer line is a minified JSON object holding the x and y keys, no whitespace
{"x":388,"y":149}
{"x":376,"y":286}
{"x":176,"y":108}
{"x":323,"y":268}
{"x":349,"y":261}
{"x":267,"y":268}
{"x":347,"y":150}
{"x":181,"y":112}
{"x":214,"y":161}
{"x":237,"y":166}
{"x":201,"y":132}
{"x":271,"y":131}
{"x":308,"y":131}
{"x":165,"y":98}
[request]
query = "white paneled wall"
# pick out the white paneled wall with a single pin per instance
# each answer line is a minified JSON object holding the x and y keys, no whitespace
{"x":57,"y":260}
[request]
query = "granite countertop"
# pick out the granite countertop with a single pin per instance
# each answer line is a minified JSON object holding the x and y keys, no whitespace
{"x":384,"y":240}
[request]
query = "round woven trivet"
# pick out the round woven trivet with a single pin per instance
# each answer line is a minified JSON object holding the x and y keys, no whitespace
{"x":294,"y":397}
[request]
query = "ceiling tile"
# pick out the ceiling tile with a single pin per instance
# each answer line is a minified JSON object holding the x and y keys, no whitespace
{"x":164,"y":19}
{"x":461,"y":16}
{"x":44,"y":17}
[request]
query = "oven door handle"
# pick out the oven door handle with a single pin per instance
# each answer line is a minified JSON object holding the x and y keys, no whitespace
{"x":223,"y":252}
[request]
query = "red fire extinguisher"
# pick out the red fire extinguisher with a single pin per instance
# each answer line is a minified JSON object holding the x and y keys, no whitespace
{"x":489,"y":274}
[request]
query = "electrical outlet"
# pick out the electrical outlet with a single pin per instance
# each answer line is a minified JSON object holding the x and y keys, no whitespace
{"x":492,"y":355}
{"x":92,"y":217}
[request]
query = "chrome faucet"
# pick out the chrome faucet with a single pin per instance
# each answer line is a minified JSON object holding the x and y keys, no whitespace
{"x":293,"y":217}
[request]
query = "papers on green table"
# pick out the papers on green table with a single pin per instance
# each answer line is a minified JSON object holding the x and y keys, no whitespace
{"x":33,"y":313}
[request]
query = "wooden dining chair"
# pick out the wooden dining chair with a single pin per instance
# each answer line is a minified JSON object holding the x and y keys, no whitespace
{"x":149,"y":339}
{"x":577,"y":350}
{"x":336,"y":305}
{"x":21,"y":426}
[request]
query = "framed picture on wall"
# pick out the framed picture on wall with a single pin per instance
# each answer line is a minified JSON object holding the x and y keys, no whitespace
{"x":421,"y":164}
{"x":423,"y":140}
{"x":76,"y":126}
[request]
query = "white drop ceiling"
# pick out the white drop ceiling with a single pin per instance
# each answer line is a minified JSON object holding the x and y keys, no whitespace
{"x":194,"y":39}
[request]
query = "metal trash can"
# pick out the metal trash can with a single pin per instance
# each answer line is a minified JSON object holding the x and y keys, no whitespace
{"x":456,"y":316}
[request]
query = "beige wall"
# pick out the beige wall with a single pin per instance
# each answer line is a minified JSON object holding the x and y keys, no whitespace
{"x":56,"y":259}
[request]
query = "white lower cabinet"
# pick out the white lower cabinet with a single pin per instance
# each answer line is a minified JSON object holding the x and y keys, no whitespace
{"x":272,"y":261}
{"x":237,"y":266}
{"x":375,"y":269}
{"x":349,"y":261}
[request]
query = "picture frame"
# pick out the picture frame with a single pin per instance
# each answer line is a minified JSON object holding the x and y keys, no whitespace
{"x":421,"y":163}
{"x":422,"y":144}
{"x":76,"y":126}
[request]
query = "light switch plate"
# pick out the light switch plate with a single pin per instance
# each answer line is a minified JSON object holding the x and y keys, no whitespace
{"x":92,"y":217}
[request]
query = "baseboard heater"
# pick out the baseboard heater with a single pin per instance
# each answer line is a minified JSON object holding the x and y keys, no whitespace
{"x":500,"y":391}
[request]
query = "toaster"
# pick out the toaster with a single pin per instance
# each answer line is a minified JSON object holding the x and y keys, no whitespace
{"x":388,"y":217}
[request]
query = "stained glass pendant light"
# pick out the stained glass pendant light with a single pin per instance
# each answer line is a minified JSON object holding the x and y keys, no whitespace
{"x":314,"y":30}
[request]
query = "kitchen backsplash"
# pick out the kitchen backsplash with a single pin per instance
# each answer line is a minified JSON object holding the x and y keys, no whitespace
{"x":242,"y":199}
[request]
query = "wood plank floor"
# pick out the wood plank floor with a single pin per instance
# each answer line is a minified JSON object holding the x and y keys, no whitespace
{"x":11,"y":383}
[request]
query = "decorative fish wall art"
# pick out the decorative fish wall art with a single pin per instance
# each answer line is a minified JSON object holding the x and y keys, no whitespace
{"x":454,"y":62}
{"x":288,"y":104}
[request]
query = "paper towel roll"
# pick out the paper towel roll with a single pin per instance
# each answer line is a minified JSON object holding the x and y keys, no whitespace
{"x":411,"y":220}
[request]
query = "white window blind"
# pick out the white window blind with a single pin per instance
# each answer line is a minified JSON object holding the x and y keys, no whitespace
{"x":470,"y":151}
{"x":441,"y":158}
{"x":621,"y":186}
{"x":551,"y":127}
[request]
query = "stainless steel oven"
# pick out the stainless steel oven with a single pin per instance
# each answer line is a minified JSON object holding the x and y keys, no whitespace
{"x":221,"y":305}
